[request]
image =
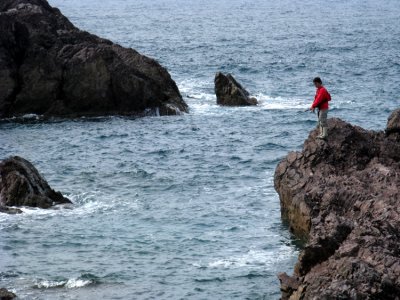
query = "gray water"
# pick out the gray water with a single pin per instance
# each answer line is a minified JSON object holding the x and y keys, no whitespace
{"x":184,"y":207}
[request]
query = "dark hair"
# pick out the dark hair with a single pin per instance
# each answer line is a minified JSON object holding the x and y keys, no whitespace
{"x":317,"y":80}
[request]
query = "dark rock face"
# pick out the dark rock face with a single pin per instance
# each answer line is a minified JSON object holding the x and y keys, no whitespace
{"x":22,"y":185}
{"x":393,"y":124}
{"x":6,"y":295}
{"x":343,"y":194}
{"x":230,"y":93}
{"x":50,"y":67}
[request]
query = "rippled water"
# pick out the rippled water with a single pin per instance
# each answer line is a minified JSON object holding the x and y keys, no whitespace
{"x":184,"y":207}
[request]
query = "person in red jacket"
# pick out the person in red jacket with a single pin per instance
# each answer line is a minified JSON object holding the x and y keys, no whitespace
{"x":321,"y":102}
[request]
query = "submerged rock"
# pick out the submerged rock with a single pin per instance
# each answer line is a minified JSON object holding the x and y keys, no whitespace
{"x":10,"y":210}
{"x":22,"y":185}
{"x":6,"y":294}
{"x":50,"y":67}
{"x":343,"y":194}
{"x":230,"y":93}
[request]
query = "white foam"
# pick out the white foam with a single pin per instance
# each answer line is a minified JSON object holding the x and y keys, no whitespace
{"x":86,"y":203}
{"x":254,"y":258}
{"x":202,"y":102}
{"x":197,"y":265}
{"x":94,"y":202}
{"x":47,"y":284}
{"x":203,"y":108}
{"x":77,"y":283}
{"x":206,"y":104}
{"x":194,"y":86}
{"x":269,"y":102}
{"x":31,"y":116}
{"x":69,"y":284}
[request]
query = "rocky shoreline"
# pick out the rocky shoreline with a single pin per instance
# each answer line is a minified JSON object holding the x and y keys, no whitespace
{"x":343,"y":195}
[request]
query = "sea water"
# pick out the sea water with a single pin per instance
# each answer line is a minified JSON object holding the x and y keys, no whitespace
{"x":184,"y":207}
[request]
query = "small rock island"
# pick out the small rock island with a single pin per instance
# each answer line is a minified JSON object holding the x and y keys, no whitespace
{"x":49,"y":67}
{"x":229,"y":92}
{"x":22,"y":185}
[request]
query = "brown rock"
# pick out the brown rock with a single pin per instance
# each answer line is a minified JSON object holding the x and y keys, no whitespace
{"x":393,"y":124}
{"x":22,"y":185}
{"x":288,"y":284}
{"x":49,"y":67}
{"x":230,"y":93}
{"x":343,"y":195}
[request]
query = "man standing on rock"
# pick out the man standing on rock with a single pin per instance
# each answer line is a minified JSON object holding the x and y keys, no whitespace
{"x":322,"y":97}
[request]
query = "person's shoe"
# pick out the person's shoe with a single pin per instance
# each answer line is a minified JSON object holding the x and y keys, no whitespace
{"x":319,"y":136}
{"x":324,"y":134}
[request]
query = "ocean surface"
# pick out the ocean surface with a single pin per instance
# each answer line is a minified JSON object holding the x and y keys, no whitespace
{"x":184,"y":207}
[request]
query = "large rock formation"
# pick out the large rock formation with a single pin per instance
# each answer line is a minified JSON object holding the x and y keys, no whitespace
{"x":343,"y":195}
{"x":22,"y":185}
{"x":50,"y":67}
{"x":230,"y":93}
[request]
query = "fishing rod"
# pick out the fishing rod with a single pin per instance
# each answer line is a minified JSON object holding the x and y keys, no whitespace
{"x":304,"y":111}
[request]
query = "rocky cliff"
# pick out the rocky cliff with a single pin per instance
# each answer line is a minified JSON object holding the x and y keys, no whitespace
{"x":50,"y":67}
{"x":343,"y":195}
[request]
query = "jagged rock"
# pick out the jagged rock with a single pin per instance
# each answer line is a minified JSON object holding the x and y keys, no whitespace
{"x":22,"y":185}
{"x":6,"y":295}
{"x":230,"y":93}
{"x":288,"y":284}
{"x":343,"y":195}
{"x":50,"y":67}
{"x":393,"y":124}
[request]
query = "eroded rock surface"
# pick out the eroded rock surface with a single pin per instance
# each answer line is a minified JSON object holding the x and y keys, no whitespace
{"x":230,"y":93}
{"x":22,"y":185}
{"x":343,"y":194}
{"x":50,"y":67}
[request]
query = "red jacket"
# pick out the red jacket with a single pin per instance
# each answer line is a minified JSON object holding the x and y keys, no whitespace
{"x":322,"y":97}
